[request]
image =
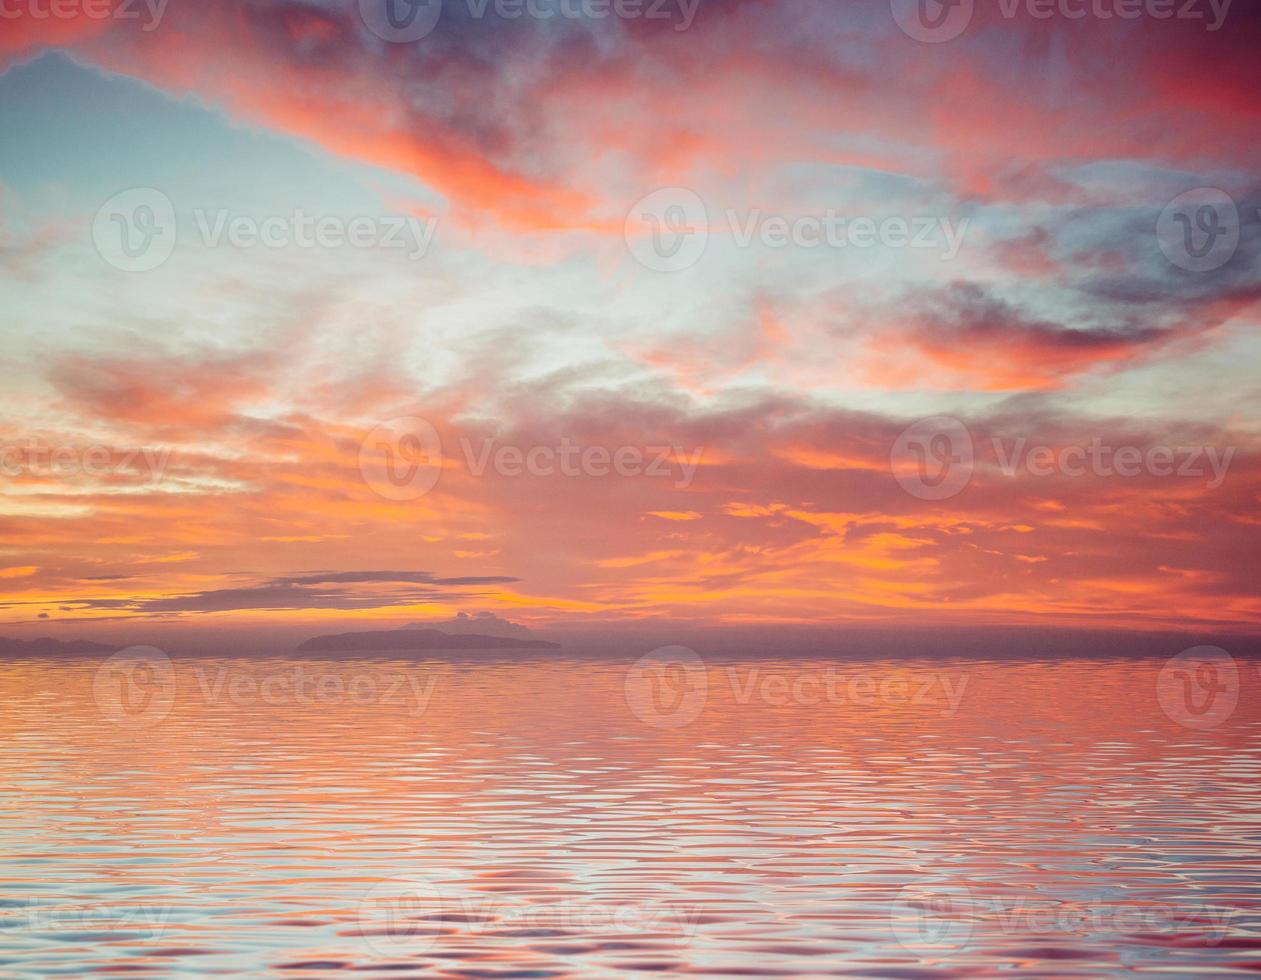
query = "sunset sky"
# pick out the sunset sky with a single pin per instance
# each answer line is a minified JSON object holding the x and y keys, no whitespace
{"x":213,"y":413}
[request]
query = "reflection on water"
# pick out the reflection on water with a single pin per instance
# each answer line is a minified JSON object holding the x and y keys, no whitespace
{"x":588,"y":818}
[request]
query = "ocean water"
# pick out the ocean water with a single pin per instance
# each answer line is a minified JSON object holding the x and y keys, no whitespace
{"x":672,"y":816}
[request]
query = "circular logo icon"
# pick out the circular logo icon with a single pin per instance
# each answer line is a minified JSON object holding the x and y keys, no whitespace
{"x":401,"y":916}
{"x":933,"y":459}
{"x":1199,"y":230}
{"x":667,"y":230}
{"x":1199,"y":688}
{"x":401,"y":459}
{"x":400,"y":21}
{"x":933,"y":916}
{"x":668,"y":687}
{"x":932,"y":21}
{"x":135,"y":687}
{"x":135,"y":230}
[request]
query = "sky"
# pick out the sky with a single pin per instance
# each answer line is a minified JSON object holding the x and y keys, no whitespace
{"x":583,"y":312}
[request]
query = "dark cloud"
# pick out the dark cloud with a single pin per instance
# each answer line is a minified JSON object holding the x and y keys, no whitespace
{"x":318,"y":578}
{"x":480,"y":622}
{"x":305,"y":592}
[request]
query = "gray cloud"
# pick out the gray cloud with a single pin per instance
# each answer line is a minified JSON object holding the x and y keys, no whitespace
{"x":311,"y":591}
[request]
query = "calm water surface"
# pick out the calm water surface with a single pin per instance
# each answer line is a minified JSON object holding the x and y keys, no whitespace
{"x":597,"y":819}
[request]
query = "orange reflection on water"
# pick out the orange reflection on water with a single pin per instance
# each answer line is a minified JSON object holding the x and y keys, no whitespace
{"x":587,"y":817}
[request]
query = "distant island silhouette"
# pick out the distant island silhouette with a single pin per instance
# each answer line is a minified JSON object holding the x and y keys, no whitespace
{"x":421,"y":639}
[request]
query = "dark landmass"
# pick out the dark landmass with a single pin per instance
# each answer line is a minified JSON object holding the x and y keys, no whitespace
{"x":44,"y":646}
{"x":421,"y":639}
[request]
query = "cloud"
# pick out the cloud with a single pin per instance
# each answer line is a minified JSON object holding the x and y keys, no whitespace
{"x":304,"y":592}
{"x":319,"y":578}
{"x":977,"y":340}
{"x":802,"y":521}
{"x":793,"y":380}
{"x":483,"y":622}
{"x":526,"y":121}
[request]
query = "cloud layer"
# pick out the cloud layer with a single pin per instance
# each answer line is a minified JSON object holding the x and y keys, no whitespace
{"x":721,"y":445}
